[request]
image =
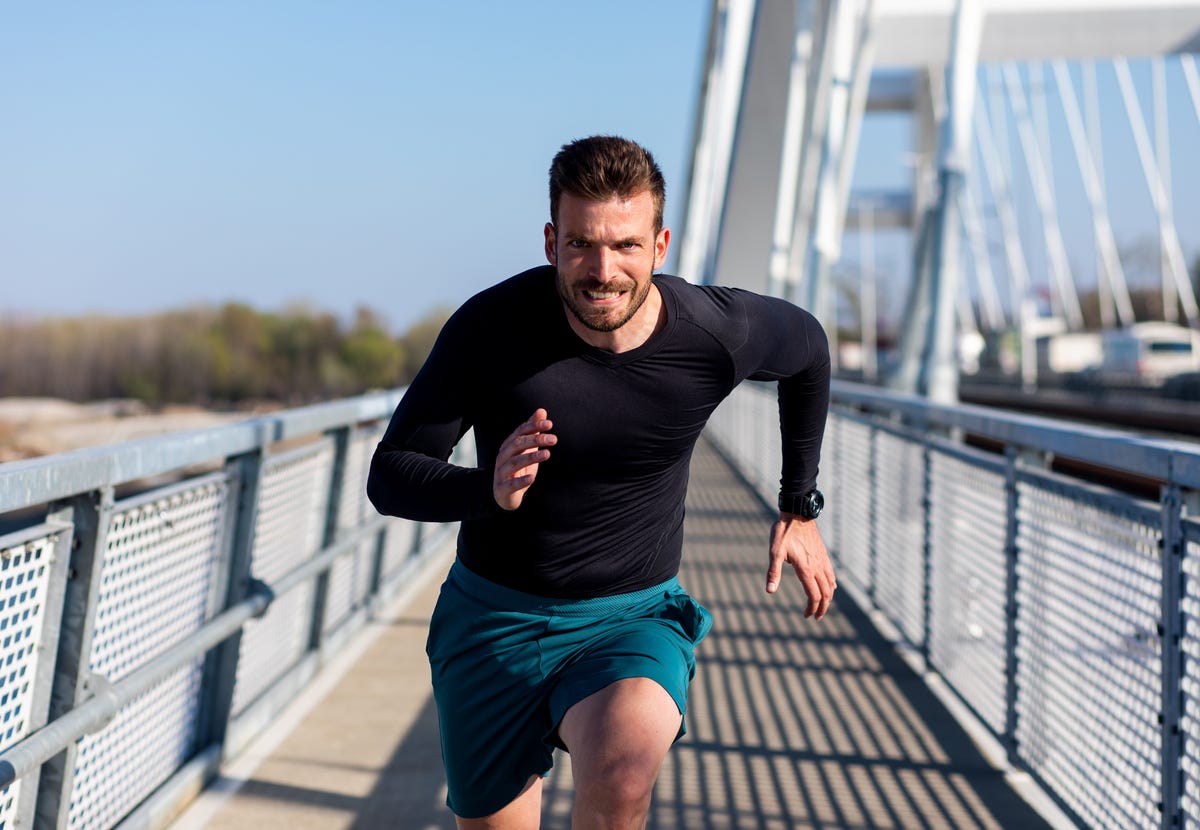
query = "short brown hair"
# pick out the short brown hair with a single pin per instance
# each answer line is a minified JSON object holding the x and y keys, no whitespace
{"x":603,"y":166}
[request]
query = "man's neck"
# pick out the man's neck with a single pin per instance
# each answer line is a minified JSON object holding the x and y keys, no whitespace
{"x":647,"y":322}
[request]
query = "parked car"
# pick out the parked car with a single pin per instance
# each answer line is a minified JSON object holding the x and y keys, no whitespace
{"x":1147,"y":354}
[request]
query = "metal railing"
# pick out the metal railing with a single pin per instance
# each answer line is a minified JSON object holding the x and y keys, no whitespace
{"x":164,"y":599}
{"x":1049,"y":572}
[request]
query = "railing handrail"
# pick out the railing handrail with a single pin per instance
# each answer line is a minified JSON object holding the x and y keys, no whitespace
{"x":1172,"y":461}
{"x":46,"y":478}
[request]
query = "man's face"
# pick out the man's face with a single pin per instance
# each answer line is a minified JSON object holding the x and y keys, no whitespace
{"x":605,"y":254}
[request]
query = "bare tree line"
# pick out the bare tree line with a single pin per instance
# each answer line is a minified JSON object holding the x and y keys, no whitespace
{"x":221,"y":356}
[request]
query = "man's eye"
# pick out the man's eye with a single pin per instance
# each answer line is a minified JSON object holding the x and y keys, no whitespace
{"x":577,"y":243}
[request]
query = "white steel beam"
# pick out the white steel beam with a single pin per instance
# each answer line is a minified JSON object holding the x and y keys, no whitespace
{"x":867,"y":305}
{"x":929,"y":364}
{"x":1174,"y":264}
{"x":1056,"y":249}
{"x":793,"y":141}
{"x":1112,"y":274}
{"x":853,"y":45}
{"x":1188,"y":63}
{"x":1162,"y":151}
{"x":939,"y":380}
{"x":721,"y":95}
{"x":916,"y":33}
{"x":985,"y":280}
{"x":743,"y":252}
{"x":816,"y":120}
{"x":998,"y":184}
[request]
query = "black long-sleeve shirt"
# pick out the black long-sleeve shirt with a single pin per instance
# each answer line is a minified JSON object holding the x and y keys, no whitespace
{"x":605,"y":514}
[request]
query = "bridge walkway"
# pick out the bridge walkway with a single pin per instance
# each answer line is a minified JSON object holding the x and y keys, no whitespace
{"x":792,"y":724}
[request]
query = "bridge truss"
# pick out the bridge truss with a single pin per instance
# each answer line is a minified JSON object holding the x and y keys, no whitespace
{"x":1038,"y":178}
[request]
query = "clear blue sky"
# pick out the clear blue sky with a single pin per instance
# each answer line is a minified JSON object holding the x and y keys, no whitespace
{"x":393,"y":154}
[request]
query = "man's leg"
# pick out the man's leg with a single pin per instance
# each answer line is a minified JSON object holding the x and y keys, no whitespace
{"x":618,"y":738}
{"x":522,"y":813}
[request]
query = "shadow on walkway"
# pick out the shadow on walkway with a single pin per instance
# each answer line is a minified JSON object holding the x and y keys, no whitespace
{"x":801,"y":724}
{"x":792,"y":723}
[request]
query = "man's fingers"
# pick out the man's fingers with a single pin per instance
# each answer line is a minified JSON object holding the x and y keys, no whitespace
{"x":532,"y":433}
{"x":774,"y":571}
{"x":518,"y":458}
{"x":522,"y":464}
{"x":819,"y":587}
{"x":813,"y":590}
{"x":520,"y":443}
{"x":537,"y":422}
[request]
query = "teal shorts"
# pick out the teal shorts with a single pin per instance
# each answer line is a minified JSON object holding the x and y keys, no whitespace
{"x":508,"y":665}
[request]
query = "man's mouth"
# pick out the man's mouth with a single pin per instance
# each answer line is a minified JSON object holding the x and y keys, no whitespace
{"x":602,"y":296}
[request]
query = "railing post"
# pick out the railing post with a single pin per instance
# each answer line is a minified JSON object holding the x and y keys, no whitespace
{"x":873,"y":514}
{"x":90,"y":513}
{"x":378,"y":551}
{"x":1011,"y":608}
{"x":1171,"y":713}
{"x":926,"y":551}
{"x":233,"y":584}
{"x":37,"y":709}
{"x":341,"y":447}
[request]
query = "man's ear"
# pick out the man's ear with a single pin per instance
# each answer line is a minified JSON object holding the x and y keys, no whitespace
{"x":661,"y":243}
{"x":551,"y":244}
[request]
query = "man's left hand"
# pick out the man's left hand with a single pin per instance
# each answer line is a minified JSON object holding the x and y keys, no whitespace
{"x":798,"y":542}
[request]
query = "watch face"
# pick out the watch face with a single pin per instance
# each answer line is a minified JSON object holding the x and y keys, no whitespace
{"x":813,"y":504}
{"x":808,"y":506}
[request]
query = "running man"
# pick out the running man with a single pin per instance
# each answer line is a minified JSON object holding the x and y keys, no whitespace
{"x":587,"y":383}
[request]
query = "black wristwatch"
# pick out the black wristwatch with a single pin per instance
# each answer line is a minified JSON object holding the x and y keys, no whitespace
{"x":806,"y":506}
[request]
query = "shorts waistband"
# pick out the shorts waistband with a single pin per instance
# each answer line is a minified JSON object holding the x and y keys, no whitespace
{"x":514,"y":600}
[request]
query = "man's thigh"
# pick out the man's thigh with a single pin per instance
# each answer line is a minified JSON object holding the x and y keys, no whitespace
{"x":504,"y":678}
{"x":491,"y":701}
{"x":655,"y":643}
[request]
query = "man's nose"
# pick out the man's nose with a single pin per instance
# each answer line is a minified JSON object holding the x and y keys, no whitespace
{"x":603,"y":264}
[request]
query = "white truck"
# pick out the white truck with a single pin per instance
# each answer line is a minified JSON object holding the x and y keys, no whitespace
{"x":1147,"y":354}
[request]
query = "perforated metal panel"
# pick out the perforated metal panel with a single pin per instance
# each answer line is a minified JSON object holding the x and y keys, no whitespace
{"x":1190,"y":682}
{"x":350,"y":577}
{"x":354,"y":508}
{"x":24,"y":574}
{"x":1088,"y":650}
{"x":850,"y":477}
{"x":899,"y":532}
{"x":968,"y":623}
{"x":746,"y":425}
{"x":401,"y":537}
{"x":770,"y":446}
{"x":349,"y":581}
{"x":156,"y":584}
{"x":293,"y":495}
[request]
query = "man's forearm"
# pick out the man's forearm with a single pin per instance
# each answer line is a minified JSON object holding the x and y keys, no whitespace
{"x":414,"y":486}
{"x":803,"y":409}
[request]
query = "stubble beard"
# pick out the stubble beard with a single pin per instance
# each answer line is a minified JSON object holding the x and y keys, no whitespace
{"x":598,"y":319}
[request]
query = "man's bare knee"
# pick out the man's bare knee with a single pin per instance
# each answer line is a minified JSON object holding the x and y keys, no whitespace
{"x":624,"y":780}
{"x":618,"y":739}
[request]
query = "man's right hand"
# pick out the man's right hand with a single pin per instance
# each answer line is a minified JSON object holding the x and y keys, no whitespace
{"x":518,"y":459}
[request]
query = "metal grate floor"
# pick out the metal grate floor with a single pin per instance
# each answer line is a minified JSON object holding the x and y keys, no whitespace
{"x":791,"y":724}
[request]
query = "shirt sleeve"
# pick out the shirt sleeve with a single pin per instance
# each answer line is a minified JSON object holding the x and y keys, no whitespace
{"x":783,"y":342}
{"x":410,"y":474}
